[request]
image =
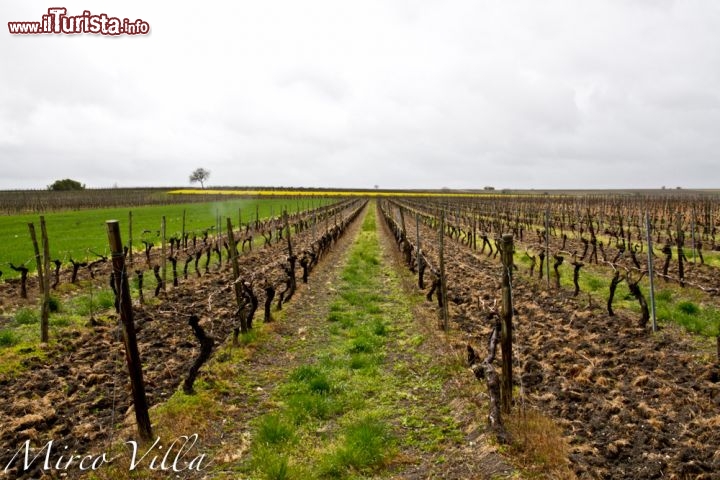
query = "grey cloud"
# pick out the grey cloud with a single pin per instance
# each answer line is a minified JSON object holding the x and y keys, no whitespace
{"x":401,"y":94}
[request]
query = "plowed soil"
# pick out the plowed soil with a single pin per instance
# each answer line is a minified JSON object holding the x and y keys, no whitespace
{"x":81,"y":390}
{"x":634,"y":404}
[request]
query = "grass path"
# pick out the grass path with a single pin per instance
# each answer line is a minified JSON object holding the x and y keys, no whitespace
{"x":360,"y":407}
{"x":371,"y":400}
{"x":352,"y":381}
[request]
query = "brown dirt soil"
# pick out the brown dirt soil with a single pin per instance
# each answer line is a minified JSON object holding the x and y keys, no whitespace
{"x":81,"y":390}
{"x":633,"y":404}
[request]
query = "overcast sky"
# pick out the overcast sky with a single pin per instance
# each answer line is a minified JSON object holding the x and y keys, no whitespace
{"x":400,"y":94}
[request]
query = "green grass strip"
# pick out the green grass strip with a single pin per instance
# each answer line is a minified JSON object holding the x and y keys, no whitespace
{"x":686,"y":307}
{"x":347,"y":414}
{"x":77,"y":234}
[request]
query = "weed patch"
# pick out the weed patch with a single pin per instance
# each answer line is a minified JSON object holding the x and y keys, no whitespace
{"x":274,"y":465}
{"x":539,"y":443}
{"x":688,"y":308}
{"x":305,"y":406}
{"x":8,"y":338}
{"x":365,"y":445}
{"x":379,"y":328}
{"x":27,"y":316}
{"x":274,"y":430}
{"x":362,"y":344}
{"x":93,"y":303}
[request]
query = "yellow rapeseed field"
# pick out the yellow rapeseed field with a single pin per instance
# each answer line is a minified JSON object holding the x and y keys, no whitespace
{"x":329,"y":193}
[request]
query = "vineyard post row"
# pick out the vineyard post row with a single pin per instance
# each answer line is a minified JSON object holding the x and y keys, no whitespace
{"x":251,"y":228}
{"x":519,"y":215}
{"x":268,"y":229}
{"x":499,"y":389}
{"x":242,"y":292}
{"x":460,"y":222}
{"x":318,"y":212}
{"x":43,"y":258}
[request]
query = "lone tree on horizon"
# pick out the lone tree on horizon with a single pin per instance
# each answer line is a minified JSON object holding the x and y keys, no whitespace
{"x":65,"y":185}
{"x":200,"y":175}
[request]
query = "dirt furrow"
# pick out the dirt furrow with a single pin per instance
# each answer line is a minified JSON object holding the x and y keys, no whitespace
{"x":79,"y":393}
{"x":633,"y":404}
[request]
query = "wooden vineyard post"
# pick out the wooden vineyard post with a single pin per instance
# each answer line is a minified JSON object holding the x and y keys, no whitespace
{"x":474,"y":234}
{"x":443,"y":284}
{"x":42,"y":273}
{"x":163,"y":260}
{"x":236,"y":272}
{"x":314,"y":222}
{"x":218,"y":239}
{"x":182,"y":232}
{"x":132,"y":355}
{"x":291,"y":260}
{"x":506,"y":325}
{"x":679,"y":242}
{"x":130,"y":238}
{"x":547,"y":245}
{"x":418,"y":255}
{"x":38,"y":261}
{"x":692,"y":232}
{"x":45,"y":314}
{"x":290,"y":251}
{"x":651,"y":278}
{"x":287,"y":227}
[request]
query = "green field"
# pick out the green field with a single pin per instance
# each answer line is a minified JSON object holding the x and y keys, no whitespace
{"x":78,"y":234}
